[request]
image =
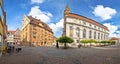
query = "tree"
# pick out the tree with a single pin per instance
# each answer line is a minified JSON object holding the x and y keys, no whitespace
{"x":97,"y":42}
{"x":84,"y":41}
{"x":91,"y":41}
{"x":65,"y":39}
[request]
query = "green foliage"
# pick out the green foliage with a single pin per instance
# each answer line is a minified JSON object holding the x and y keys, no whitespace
{"x":84,"y":41}
{"x":91,"y":41}
{"x":65,"y":39}
{"x":57,"y":40}
{"x":88,"y":41}
{"x":106,"y":41}
{"x":97,"y":41}
{"x":113,"y":42}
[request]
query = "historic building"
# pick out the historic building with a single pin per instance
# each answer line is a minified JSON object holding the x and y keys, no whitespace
{"x":11,"y":37}
{"x":115,"y":39}
{"x":79,"y":27}
{"x":17,"y":36}
{"x":14,"y":36}
{"x":35,"y":32}
{"x":3,"y":26}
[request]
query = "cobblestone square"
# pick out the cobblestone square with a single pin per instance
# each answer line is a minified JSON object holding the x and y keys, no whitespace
{"x":52,"y":55}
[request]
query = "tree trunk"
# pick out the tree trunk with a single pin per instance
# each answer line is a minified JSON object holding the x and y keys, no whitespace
{"x":90,"y":44}
{"x":65,"y":45}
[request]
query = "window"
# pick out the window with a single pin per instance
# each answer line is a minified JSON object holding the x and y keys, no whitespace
{"x":77,"y":32}
{"x":90,"y":33}
{"x":101,"y":36}
{"x":104,"y":36}
{"x":34,"y":27}
{"x":90,"y":25}
{"x":84,"y":22}
{"x":71,"y":31}
{"x":34,"y":34}
{"x":94,"y":26}
{"x":98,"y":35}
{"x":94,"y":35}
{"x":84,"y":33}
{"x":77,"y":41}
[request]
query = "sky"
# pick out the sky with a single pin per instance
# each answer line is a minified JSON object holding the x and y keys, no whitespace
{"x":106,"y":12}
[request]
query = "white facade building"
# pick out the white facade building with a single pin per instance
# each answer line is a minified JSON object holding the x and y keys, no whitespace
{"x":10,"y":36}
{"x":79,"y":27}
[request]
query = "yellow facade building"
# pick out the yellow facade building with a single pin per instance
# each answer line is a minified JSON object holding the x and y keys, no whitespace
{"x":35,"y":32}
{"x":3,"y":26}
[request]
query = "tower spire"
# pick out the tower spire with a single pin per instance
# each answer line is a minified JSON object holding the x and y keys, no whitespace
{"x":67,"y":10}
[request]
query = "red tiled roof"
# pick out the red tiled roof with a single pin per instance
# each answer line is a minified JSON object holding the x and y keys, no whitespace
{"x":36,"y":22}
{"x":11,"y":31}
{"x":87,"y":20}
{"x":114,"y":38}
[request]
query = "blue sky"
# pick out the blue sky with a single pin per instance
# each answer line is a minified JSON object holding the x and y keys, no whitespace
{"x":106,"y":12}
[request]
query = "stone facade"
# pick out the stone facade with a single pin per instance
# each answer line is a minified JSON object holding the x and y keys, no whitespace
{"x":79,"y":27}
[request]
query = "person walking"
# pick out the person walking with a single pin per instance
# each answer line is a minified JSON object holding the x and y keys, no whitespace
{"x":57,"y":45}
{"x":13,"y":47}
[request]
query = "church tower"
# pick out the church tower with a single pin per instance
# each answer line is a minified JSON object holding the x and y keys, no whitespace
{"x":67,"y":10}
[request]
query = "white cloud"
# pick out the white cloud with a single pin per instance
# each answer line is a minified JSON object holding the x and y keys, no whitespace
{"x":37,"y":1}
{"x":117,"y":31}
{"x":104,"y":12}
{"x":57,"y":27}
{"x":112,"y":29}
{"x":42,"y":15}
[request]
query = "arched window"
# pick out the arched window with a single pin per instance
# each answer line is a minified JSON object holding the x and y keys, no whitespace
{"x":90,"y":34}
{"x":77,"y":32}
{"x":84,"y":33}
{"x":71,"y":31}
{"x":104,"y":37}
{"x":98,"y":35}
{"x":101,"y":36}
{"x":94,"y":35}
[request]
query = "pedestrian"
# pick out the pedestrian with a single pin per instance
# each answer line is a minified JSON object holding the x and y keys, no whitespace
{"x":79,"y":45}
{"x":57,"y":45}
{"x":8,"y":48}
{"x":13,"y":47}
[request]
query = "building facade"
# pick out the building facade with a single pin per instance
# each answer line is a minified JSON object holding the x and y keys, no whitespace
{"x":11,"y":37}
{"x":115,"y":39}
{"x":79,"y":27}
{"x":3,"y":26}
{"x":35,"y":32}
{"x":17,"y":36}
